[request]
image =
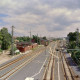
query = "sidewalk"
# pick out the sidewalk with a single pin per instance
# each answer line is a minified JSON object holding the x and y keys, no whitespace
{"x":73,"y":65}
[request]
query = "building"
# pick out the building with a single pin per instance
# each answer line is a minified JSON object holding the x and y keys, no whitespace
{"x":44,"y":42}
{"x":25,"y":46}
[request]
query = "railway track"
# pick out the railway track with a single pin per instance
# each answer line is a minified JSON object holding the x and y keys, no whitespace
{"x":16,"y":60}
{"x":27,"y":58}
{"x":49,"y":69}
{"x":48,"y":72}
{"x":68,"y":73}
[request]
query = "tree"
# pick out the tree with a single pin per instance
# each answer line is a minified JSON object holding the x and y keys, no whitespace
{"x":74,"y":43}
{"x":44,"y":38}
{"x":0,"y":38}
{"x":36,"y":39}
{"x":72,"y":36}
{"x":6,"y":38}
{"x":23,"y":39}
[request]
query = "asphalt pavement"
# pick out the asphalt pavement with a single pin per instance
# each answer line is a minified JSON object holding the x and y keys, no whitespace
{"x":34,"y":69}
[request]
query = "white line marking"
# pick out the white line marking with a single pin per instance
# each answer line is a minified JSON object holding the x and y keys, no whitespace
{"x":29,"y":78}
{"x":40,"y":69}
{"x":58,"y":70}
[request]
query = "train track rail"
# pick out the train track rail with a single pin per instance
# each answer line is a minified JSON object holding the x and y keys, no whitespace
{"x":16,"y":60}
{"x":48,"y":72}
{"x":11,"y":71}
{"x":68,"y":73}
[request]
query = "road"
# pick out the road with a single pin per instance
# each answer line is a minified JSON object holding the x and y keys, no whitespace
{"x":42,"y":64}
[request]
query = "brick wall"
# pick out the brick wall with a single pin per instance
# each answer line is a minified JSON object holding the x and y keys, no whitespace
{"x":26,"y":48}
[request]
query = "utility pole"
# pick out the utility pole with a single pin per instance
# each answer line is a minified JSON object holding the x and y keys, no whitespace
{"x":12,"y":50}
{"x":37,"y":38}
{"x":77,"y":39}
{"x":40,"y":39}
{"x":30,"y":36}
{"x":49,"y":38}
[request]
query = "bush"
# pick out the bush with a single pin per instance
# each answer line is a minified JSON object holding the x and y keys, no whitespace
{"x":17,"y":53}
{"x":76,"y":56}
{"x":14,"y":50}
{"x":0,"y":50}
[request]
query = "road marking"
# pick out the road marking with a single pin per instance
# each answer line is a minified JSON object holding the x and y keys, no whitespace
{"x":29,"y":78}
{"x":40,"y":69}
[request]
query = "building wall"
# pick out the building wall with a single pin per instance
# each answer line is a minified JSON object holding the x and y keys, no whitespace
{"x":27,"y":47}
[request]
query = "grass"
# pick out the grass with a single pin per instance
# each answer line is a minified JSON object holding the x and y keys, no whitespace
{"x":0,"y":51}
{"x":17,"y":53}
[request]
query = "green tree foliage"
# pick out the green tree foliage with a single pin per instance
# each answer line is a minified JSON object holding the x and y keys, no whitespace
{"x":27,"y":39}
{"x":44,"y":38}
{"x":0,"y":38}
{"x":36,"y":39}
{"x":72,"y":36}
{"x":72,"y":45}
{"x":76,"y":56}
{"x":5,"y":38}
{"x":23,"y":39}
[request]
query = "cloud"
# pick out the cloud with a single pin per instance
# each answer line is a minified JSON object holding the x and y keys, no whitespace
{"x":70,"y":4}
{"x":27,"y":18}
{"x":45,"y":16}
{"x":63,"y":17}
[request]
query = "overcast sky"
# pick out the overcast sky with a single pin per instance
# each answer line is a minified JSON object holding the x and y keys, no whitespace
{"x":54,"y":18}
